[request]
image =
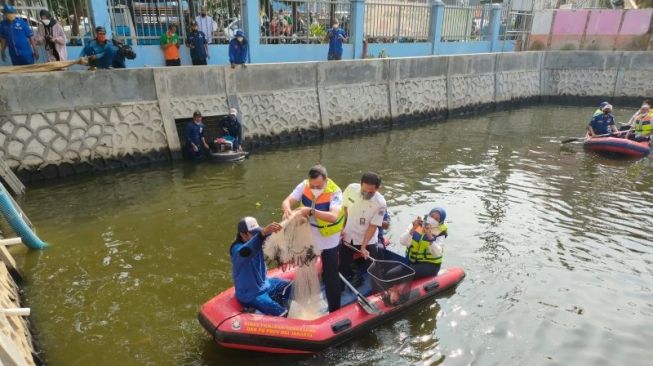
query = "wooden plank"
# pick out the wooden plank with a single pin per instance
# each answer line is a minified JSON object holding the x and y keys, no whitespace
{"x":11,"y":179}
{"x":9,"y":261}
{"x":11,"y":241}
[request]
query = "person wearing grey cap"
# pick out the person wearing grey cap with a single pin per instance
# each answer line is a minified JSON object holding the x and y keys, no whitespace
{"x":232,"y":129}
{"x":196,"y":145}
{"x":249,"y":272}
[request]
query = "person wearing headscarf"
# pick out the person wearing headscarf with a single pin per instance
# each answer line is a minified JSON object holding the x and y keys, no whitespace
{"x":51,"y":35}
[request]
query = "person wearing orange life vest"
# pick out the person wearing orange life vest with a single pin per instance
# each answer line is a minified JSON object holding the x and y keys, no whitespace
{"x":640,"y":123}
{"x":425,"y":243}
{"x":320,"y":199}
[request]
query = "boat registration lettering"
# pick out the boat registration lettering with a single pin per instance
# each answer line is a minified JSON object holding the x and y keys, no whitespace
{"x":278,"y":329}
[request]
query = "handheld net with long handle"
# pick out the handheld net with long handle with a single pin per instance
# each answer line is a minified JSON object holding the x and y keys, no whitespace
{"x":392,"y":278}
{"x":294,"y":246}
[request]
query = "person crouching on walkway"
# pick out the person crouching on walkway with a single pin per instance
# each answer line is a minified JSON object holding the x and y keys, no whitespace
{"x":249,"y":272}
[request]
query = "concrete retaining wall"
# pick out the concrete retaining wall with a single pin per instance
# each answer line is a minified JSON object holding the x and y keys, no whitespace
{"x":60,"y":123}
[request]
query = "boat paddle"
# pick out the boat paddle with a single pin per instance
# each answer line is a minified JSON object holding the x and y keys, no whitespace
{"x":362,"y":300}
{"x":584,"y":137}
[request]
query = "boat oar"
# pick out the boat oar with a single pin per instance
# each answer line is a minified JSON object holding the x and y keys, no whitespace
{"x":584,"y":137}
{"x":362,"y":300}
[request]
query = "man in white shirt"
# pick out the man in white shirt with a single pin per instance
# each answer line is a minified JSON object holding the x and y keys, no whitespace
{"x":205,"y":24}
{"x":365,"y":208}
{"x":320,"y":199}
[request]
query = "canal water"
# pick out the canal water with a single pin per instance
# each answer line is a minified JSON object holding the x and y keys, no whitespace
{"x":556,"y":244}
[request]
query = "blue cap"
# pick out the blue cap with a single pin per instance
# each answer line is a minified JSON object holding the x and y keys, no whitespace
{"x":240,"y":33}
{"x":8,"y":9}
{"x":603,"y":104}
{"x":441,"y":211}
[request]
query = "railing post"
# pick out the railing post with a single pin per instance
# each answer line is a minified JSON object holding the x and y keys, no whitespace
{"x":495,"y":26}
{"x":358,"y":28}
{"x":252,"y":27}
{"x":437,"y":22}
{"x":101,"y":17}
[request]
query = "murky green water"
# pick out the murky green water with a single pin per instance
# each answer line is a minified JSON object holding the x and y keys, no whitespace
{"x":556,"y":244}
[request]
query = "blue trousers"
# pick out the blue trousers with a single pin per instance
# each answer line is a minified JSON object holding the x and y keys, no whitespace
{"x":269,"y":302}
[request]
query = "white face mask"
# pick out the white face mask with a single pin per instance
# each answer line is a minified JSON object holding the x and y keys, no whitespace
{"x":46,"y":21}
{"x":240,"y":39}
{"x":317,"y":192}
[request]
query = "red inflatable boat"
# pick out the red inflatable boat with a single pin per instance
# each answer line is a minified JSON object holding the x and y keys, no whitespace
{"x":617,"y":146}
{"x":224,"y":319}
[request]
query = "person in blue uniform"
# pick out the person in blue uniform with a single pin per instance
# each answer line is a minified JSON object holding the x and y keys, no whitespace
{"x":198,"y":45}
{"x":336,"y":37}
{"x":602,"y":124}
{"x":238,"y":50}
{"x":18,"y":37}
{"x":196,"y":145}
{"x":253,"y":288}
{"x":100,"y":51}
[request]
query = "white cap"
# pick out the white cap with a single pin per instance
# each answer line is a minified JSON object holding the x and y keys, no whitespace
{"x":247,"y":224}
{"x":607,"y":106}
{"x":233,"y":111}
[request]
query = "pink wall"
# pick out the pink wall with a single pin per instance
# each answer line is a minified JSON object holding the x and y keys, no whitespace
{"x":592,"y":29}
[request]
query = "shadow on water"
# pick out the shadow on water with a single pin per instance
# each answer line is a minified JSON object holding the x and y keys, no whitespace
{"x":554,"y":242}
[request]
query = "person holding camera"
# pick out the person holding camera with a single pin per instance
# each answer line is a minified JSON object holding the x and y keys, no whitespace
{"x":51,"y":34}
{"x":425,"y":243}
{"x":122,"y":52}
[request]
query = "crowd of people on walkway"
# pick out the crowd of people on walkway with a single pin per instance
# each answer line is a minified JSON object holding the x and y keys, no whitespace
{"x":23,"y":43}
{"x":342,"y":224}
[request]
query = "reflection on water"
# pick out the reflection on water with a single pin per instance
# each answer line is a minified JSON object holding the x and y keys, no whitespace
{"x":556,"y":244}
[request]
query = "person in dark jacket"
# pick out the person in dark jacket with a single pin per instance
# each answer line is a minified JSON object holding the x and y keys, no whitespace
{"x":249,"y":272}
{"x":196,"y":146}
{"x":232,"y":129}
{"x":122,"y":52}
{"x":198,"y":44}
{"x":238,"y":50}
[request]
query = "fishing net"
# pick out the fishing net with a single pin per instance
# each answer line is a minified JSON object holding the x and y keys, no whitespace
{"x":393,"y":279}
{"x":294,"y":247}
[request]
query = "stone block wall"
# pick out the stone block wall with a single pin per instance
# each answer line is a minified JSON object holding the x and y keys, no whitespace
{"x":61,"y":123}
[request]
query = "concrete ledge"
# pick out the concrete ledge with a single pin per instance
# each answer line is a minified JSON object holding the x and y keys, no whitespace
{"x":69,"y":122}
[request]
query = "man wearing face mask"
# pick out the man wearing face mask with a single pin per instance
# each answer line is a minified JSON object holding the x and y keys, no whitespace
{"x":336,"y":37}
{"x":320,"y":199}
{"x":99,"y":51}
{"x":364,"y":208}
{"x":602,"y":124}
{"x":16,"y":35}
{"x":51,"y":34}
{"x":238,"y":50}
{"x":205,"y":25}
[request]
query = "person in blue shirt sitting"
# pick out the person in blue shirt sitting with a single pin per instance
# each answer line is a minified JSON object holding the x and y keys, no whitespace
{"x":100,"y":51}
{"x":602,"y":124}
{"x":16,"y":35}
{"x":238,"y":50}
{"x":336,"y":36}
{"x":249,"y":272}
{"x":196,"y":145}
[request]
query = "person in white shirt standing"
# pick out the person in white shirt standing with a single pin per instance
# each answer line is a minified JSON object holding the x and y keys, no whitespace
{"x":320,"y":199}
{"x":205,"y":24}
{"x":364,"y":209}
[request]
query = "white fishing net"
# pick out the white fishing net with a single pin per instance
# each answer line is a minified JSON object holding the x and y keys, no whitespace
{"x":294,"y":247}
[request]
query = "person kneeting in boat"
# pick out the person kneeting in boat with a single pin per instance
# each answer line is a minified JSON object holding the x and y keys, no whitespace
{"x":602,"y":124}
{"x":196,"y":146}
{"x":599,"y":110}
{"x":249,"y":272}
{"x":232,"y":129}
{"x":320,"y":199}
{"x":425,"y":243}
